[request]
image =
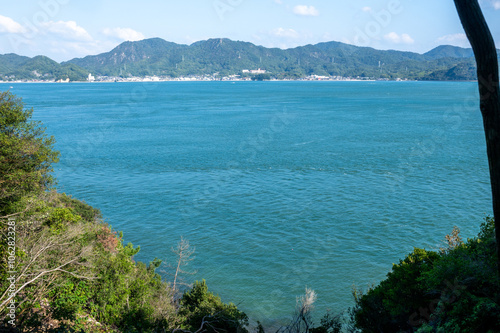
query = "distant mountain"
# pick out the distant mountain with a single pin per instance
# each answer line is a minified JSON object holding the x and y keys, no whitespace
{"x":227,"y":57}
{"x":9,"y":62}
{"x":158,"y":57}
{"x":460,"y":72}
{"x":17,"y":67}
{"x":148,"y":51}
{"x":448,"y":51}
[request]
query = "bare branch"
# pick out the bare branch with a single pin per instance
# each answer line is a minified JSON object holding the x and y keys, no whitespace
{"x":40,"y":256}
{"x":4,"y":303}
{"x":184,"y":253}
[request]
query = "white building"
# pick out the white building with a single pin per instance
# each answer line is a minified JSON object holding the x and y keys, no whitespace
{"x":258,"y":71}
{"x":254,"y":71}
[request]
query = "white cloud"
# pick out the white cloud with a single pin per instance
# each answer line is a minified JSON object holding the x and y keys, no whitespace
{"x":406,"y":39}
{"x":454,"y":39}
{"x":69,"y":49}
{"x":283,"y":38}
{"x":125,"y":34}
{"x":287,"y":33}
{"x":279,"y":2}
{"x":68,"y":30}
{"x":305,"y":10}
{"x":399,"y":39}
{"x":366,"y":9}
{"x":493,"y":3}
{"x":9,"y":25}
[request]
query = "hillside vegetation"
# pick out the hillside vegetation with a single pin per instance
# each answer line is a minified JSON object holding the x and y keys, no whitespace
{"x":67,"y":271}
{"x":454,"y":289}
{"x":226,"y":57}
{"x":157,"y":57}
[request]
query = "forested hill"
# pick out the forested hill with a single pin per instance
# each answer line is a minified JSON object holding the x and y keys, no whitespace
{"x":158,"y":57}
{"x":14,"y":67}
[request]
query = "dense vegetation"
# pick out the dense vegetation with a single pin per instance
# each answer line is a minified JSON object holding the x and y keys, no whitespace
{"x":226,"y":57}
{"x":67,"y":271}
{"x":14,"y":67}
{"x":158,"y":57}
{"x":456,"y":289}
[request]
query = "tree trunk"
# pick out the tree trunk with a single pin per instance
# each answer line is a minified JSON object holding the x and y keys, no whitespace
{"x":482,"y":42}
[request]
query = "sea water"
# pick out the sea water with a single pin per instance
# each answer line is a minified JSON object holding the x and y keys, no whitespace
{"x":277,"y":185}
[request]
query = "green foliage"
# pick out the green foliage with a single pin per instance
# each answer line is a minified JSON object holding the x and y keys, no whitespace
{"x":456,"y":290}
{"x":329,"y":324}
{"x":104,"y":288}
{"x":261,"y":77}
{"x":87,"y":212}
{"x":70,"y":298}
{"x":26,"y":153}
{"x":465,"y":71}
{"x":468,"y":286}
{"x":52,"y":259}
{"x":113,"y":292}
{"x":77,"y":274}
{"x":59,"y":217}
{"x":124,"y":295}
{"x":202,"y":308}
{"x":40,"y":67}
{"x":74,"y":273}
{"x":153,"y":265}
{"x":388,"y":306}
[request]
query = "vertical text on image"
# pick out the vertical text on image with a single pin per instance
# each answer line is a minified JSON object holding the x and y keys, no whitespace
{"x":11,"y":264}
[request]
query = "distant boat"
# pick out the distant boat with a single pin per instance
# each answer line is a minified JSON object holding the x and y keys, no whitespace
{"x":11,"y":87}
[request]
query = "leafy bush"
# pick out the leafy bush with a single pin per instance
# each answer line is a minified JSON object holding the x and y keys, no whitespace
{"x":87,"y":212}
{"x":467,"y":285}
{"x":389,"y":306}
{"x":455,"y":290}
{"x":329,"y":324}
{"x":74,"y":273}
{"x":26,"y":153}
{"x":59,"y":217}
{"x":202,"y":308}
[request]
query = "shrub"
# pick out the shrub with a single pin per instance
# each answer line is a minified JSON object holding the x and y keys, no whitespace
{"x":26,"y":153}
{"x":202,"y":308}
{"x":467,"y":285}
{"x":456,"y":290}
{"x":391,"y":306}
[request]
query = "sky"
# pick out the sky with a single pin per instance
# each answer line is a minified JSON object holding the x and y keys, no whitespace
{"x":66,"y":29}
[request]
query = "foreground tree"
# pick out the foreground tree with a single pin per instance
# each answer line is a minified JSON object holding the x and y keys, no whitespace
{"x":26,"y":153}
{"x":482,"y":42}
{"x":455,"y":289}
{"x":66,"y":271}
{"x":205,"y":312}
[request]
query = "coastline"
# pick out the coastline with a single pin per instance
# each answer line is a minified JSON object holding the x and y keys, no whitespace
{"x":139,"y":80}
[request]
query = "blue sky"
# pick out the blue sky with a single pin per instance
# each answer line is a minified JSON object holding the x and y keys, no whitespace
{"x":64,"y":29}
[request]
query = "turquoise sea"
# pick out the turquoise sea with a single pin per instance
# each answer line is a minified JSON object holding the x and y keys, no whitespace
{"x":278,"y":185}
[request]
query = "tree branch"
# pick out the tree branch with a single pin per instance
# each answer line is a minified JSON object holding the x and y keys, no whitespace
{"x":482,"y":42}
